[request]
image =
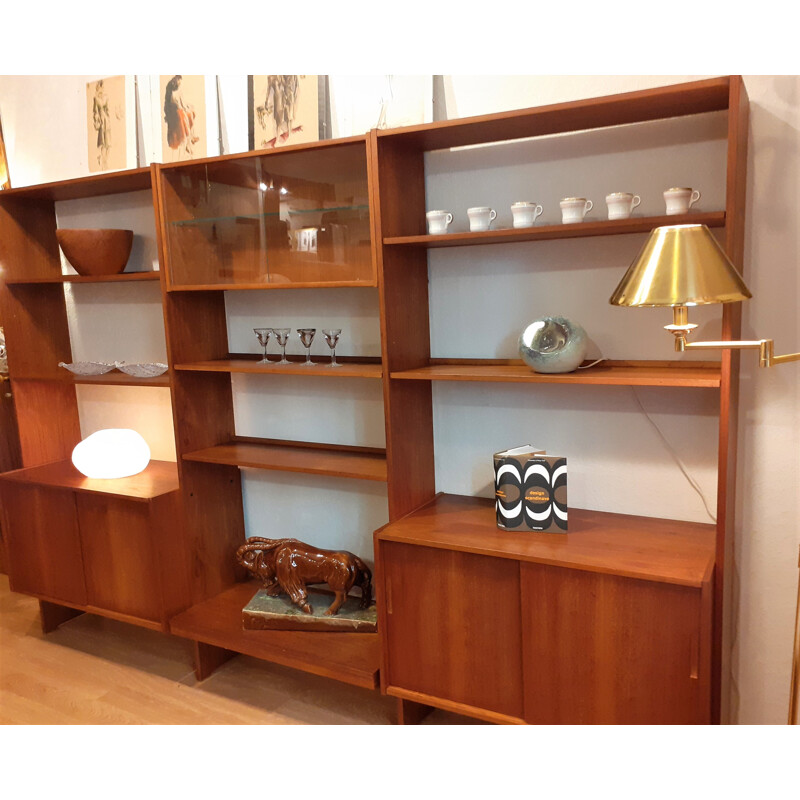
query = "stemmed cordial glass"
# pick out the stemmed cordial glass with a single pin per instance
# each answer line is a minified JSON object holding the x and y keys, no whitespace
{"x":306,"y":337}
{"x":282,"y":336}
{"x":263,"y":335}
{"x":332,"y":337}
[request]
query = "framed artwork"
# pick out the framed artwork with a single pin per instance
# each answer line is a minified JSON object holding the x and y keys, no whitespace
{"x":111,"y":123}
{"x":285,"y":109}
{"x":5,"y":181}
{"x":182,"y":109}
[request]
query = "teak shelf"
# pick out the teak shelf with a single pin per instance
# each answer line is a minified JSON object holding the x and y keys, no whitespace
{"x":319,"y":368}
{"x":547,"y":232}
{"x":645,"y":548}
{"x":349,"y":657}
{"x":121,"y":379}
{"x":621,"y":620}
{"x":319,"y":460}
{"x":160,"y":477}
{"x":680,"y":374}
{"x":123,"y":277}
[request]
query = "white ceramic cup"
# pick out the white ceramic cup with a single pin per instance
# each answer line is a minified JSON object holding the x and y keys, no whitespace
{"x":525,"y":213}
{"x":680,"y":200}
{"x":621,"y":204}
{"x":574,"y":209}
{"x":480,"y":218}
{"x":438,"y":221}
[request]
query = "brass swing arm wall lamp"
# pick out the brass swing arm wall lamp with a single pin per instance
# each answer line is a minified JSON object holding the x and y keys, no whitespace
{"x":682,"y":266}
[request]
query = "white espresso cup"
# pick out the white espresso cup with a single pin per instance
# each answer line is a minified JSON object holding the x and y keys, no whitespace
{"x":680,"y":200}
{"x":574,"y":209}
{"x":438,"y":221}
{"x":621,"y":204}
{"x":525,"y":213}
{"x":480,"y":218}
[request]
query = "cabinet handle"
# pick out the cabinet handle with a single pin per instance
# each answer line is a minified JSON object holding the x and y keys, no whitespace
{"x":388,"y":595}
{"x":694,"y":658}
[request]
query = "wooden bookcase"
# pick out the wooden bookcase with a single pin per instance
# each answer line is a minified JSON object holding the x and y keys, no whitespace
{"x":61,"y":553}
{"x":221,"y":228}
{"x":225,"y":225}
{"x":400,"y":159}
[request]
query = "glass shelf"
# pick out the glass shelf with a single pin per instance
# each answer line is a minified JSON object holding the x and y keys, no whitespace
{"x":242,"y":218}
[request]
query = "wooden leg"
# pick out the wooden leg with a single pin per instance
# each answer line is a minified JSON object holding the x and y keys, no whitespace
{"x":52,"y":615}
{"x":207,"y":657}
{"x":411,"y":713}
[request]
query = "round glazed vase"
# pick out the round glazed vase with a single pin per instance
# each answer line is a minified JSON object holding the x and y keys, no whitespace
{"x":553,"y":344}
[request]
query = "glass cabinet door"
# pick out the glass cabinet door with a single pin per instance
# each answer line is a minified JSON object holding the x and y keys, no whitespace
{"x":294,"y":217}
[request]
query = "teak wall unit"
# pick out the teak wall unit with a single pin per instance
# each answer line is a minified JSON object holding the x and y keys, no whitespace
{"x":224,"y":227}
{"x":220,"y":229}
{"x":400,"y":203}
{"x":113,"y":548}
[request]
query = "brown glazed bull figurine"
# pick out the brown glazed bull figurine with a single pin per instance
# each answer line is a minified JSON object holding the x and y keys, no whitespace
{"x":288,"y":566}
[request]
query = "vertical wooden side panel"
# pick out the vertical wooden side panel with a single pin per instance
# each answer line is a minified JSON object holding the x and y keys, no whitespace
{"x":738,"y":123}
{"x":28,"y":245}
{"x":47,"y":414}
{"x":37,"y":331}
{"x":52,"y":615}
{"x":399,"y":202}
{"x":168,"y":533}
{"x":214,"y":526}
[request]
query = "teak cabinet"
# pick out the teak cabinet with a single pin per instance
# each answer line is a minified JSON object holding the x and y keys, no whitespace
{"x":111,"y":547}
{"x":579,"y":628}
{"x":609,"y":624}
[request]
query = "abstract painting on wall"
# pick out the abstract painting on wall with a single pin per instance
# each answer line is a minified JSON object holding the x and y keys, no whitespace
{"x":111,"y":124}
{"x":284,"y":109}
{"x":182,"y":108}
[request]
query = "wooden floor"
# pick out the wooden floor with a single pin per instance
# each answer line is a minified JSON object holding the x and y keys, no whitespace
{"x":96,"y":671}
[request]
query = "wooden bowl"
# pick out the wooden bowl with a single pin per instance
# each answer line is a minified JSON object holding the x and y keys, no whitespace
{"x":96,"y":251}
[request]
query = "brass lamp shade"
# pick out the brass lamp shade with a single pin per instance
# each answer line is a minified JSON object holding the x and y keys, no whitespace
{"x":680,"y":265}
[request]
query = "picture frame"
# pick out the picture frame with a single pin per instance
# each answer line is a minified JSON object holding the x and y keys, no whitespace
{"x":111,"y":123}
{"x":286,"y":109}
{"x":181,"y":117}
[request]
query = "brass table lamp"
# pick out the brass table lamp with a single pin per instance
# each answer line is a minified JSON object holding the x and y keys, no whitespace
{"x":682,"y":266}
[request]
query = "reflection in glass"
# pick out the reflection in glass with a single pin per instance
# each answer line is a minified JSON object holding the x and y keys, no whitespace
{"x":263,"y":335}
{"x":306,"y":337}
{"x":332,"y":337}
{"x":282,"y":336}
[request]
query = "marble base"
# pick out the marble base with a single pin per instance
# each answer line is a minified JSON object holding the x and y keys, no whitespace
{"x":278,"y":613}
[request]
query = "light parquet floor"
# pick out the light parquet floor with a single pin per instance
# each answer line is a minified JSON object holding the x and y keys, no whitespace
{"x":96,"y":671}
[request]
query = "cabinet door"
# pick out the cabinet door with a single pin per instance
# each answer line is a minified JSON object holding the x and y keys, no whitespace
{"x":118,"y":556}
{"x":453,"y":626}
{"x":42,"y":542}
{"x":604,"y":649}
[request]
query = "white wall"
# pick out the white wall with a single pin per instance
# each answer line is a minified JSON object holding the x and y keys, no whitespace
{"x":610,"y":443}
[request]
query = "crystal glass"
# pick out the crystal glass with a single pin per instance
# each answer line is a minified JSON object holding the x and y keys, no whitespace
{"x":332,"y":337}
{"x":282,"y":336}
{"x":306,"y":337}
{"x":263,"y":335}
